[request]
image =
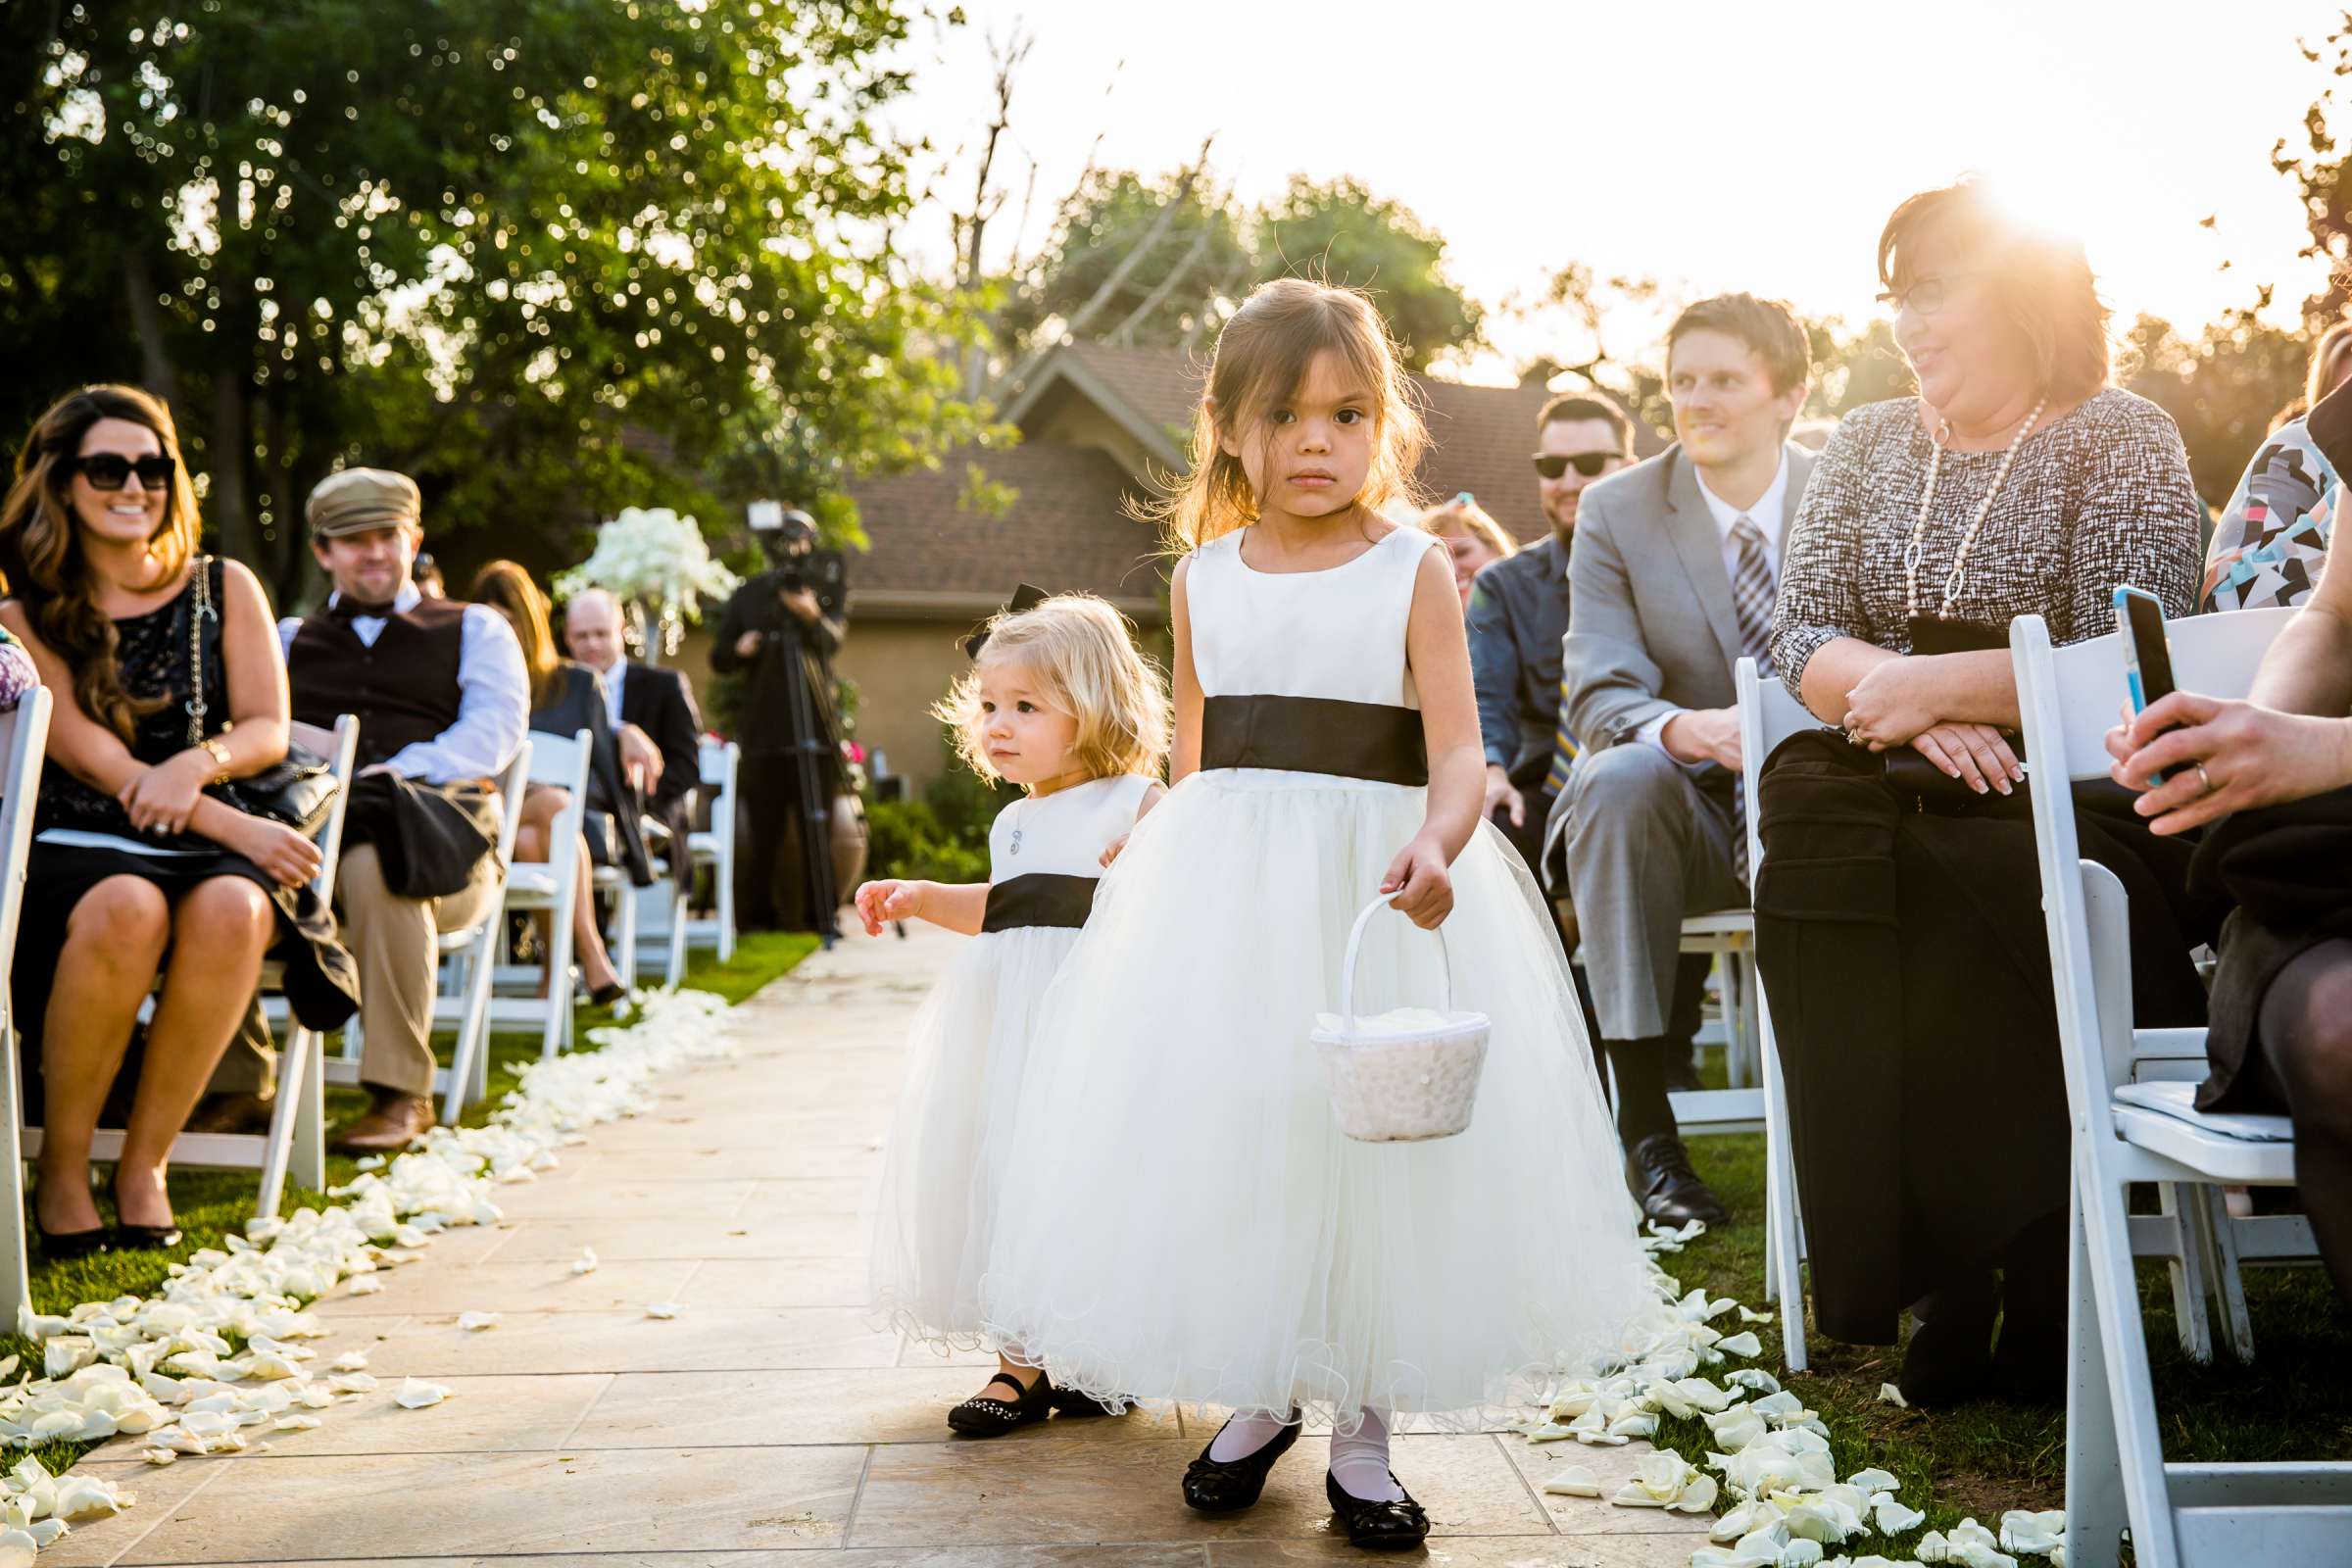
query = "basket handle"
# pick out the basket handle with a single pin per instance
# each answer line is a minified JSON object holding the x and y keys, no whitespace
{"x":1355,"y":938}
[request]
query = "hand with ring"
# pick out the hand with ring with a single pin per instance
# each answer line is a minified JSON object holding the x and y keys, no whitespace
{"x":2221,"y":756}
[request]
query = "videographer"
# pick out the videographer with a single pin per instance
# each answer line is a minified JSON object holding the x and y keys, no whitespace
{"x":780,"y":630}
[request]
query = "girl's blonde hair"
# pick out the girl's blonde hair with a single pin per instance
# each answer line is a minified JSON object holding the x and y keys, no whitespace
{"x":1263,"y":357}
{"x":1468,"y":516}
{"x":1083,"y":653}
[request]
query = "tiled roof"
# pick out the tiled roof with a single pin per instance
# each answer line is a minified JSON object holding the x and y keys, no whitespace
{"x":1066,"y":529}
{"x":1163,"y":385}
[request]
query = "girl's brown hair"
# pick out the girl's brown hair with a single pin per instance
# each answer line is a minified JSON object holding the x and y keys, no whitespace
{"x":41,"y":558}
{"x":1263,"y":357}
{"x":506,"y":586}
{"x":2040,"y":282}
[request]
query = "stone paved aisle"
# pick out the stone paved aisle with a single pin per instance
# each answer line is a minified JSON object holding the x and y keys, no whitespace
{"x":766,"y":1424}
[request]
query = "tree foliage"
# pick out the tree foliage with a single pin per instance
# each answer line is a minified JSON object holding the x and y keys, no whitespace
{"x":1177,"y":256}
{"x":548,"y":256}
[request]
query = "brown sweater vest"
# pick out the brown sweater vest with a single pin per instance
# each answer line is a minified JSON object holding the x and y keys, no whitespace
{"x":403,"y":690}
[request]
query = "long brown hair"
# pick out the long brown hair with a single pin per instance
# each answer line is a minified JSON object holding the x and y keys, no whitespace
{"x":506,"y":586}
{"x":1263,"y":357}
{"x":41,"y":558}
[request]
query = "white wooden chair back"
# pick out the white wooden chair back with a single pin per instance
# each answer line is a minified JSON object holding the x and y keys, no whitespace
{"x":2116,"y":1473}
{"x":1769,"y":714}
{"x":23,"y":742}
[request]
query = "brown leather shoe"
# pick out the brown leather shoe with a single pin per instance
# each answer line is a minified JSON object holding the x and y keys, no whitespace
{"x":394,"y":1122}
{"x":242,"y":1112}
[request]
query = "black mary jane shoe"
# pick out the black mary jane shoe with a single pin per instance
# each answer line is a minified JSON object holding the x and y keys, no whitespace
{"x":1071,"y":1404}
{"x":143,"y":1237}
{"x":983,"y":1417}
{"x":1949,"y":1355}
{"x":1377,"y":1526}
{"x":1228,"y":1486}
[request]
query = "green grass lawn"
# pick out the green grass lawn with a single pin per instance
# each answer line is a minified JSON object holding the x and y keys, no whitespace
{"x":2295,"y":1403}
{"x":210,"y":1203}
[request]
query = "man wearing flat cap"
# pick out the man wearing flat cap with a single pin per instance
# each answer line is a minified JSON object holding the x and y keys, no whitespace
{"x":443,"y":701}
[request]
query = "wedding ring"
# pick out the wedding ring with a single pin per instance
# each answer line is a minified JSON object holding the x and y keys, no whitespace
{"x":2206,"y":777}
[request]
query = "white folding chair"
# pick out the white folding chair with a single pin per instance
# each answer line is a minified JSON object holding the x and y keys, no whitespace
{"x":662,"y":911}
{"x":2135,"y":1120}
{"x":552,"y":888}
{"x":614,"y":879}
{"x":1769,"y":714}
{"x":469,"y":957}
{"x":721,"y":764}
{"x":24,"y":741}
{"x":295,"y":1139}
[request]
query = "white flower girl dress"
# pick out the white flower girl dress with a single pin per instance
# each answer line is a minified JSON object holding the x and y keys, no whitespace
{"x":1180,"y":1217}
{"x":966,"y":1052}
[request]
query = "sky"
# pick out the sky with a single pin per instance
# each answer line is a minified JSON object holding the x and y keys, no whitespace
{"x":1710,"y":146}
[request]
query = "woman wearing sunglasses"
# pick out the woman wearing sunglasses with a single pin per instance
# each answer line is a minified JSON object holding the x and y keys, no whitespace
{"x":170,"y":681}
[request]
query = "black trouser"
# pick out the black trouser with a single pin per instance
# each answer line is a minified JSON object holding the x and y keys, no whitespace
{"x":773,"y":889}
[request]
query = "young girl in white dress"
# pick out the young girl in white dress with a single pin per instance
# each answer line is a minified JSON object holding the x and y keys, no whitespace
{"x":1059,"y":702}
{"x":1181,"y":1218}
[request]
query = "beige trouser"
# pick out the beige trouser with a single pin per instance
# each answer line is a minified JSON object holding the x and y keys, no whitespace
{"x":393,"y":941}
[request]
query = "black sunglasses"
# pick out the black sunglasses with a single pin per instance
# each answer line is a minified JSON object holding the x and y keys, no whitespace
{"x":1591,"y":464}
{"x":107,"y":471}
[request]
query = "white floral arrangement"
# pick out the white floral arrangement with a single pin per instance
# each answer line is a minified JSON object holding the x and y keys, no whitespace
{"x":653,"y":558}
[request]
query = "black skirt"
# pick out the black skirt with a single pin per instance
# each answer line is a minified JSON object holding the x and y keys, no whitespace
{"x":322,"y":982}
{"x":1905,"y":959}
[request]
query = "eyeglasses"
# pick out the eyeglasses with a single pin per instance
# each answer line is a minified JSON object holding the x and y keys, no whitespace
{"x":109,"y":471}
{"x":1926,"y":297}
{"x":1591,"y":464}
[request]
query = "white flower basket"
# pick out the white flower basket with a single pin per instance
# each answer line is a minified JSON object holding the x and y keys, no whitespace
{"x":1407,"y":1074}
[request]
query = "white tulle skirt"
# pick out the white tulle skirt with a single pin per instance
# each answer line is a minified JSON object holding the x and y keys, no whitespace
{"x":942,"y":1167}
{"x":1181,"y":1218}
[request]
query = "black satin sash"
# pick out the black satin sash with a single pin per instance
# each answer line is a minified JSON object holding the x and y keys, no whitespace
{"x":1315,"y":735}
{"x":1038,"y":897}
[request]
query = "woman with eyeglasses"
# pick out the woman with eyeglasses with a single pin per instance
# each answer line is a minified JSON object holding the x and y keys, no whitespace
{"x":1899,"y":919}
{"x":170,"y":682}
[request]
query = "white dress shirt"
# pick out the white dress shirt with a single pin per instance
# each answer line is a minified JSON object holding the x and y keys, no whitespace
{"x":1766,"y":515}
{"x":494,"y":702}
{"x":613,"y":679}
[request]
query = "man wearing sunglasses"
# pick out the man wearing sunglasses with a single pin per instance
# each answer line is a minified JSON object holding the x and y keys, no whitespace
{"x":1674,"y":580}
{"x":1519,"y":611}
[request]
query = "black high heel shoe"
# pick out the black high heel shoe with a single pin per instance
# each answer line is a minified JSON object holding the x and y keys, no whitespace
{"x":1950,"y":1351}
{"x":140,"y":1237}
{"x":1377,"y":1526}
{"x":1228,"y":1486}
{"x":983,"y":1417}
{"x":58,"y":1247}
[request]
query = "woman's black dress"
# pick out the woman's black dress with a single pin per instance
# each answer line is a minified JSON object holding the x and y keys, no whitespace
{"x":615,"y":827}
{"x":81,"y":837}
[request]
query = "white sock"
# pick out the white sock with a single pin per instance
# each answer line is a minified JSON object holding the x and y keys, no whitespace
{"x":1244,"y":1435}
{"x":1360,"y":1463}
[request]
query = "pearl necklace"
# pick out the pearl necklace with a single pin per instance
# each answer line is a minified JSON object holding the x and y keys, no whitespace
{"x":1958,"y":577}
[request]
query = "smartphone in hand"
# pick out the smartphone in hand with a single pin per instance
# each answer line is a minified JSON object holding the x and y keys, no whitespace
{"x":2147,"y":654}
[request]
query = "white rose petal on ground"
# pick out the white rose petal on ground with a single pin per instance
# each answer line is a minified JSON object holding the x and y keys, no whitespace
{"x":350,"y":1361}
{"x":585,"y":1264}
{"x":476,"y":1322}
{"x":2035,"y":1534}
{"x":416,"y":1395}
{"x":1744,"y":1343}
{"x":1572,"y":1481}
{"x":365,"y":1285}
{"x":662,"y":1309}
{"x":1889,"y":1394}
{"x":1889,"y":1516}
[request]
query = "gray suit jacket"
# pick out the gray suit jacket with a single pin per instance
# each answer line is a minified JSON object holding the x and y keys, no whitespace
{"x":1650,"y":624}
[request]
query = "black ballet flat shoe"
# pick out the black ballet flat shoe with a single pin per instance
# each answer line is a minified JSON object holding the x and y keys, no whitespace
{"x":1220,"y":1486}
{"x":606,"y":995}
{"x":983,"y":1417}
{"x":1951,"y":1354}
{"x":1377,"y":1526}
{"x":58,"y":1247}
{"x":1071,"y":1404}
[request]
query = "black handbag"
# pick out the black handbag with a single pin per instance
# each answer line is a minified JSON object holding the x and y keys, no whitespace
{"x":297,"y":792}
{"x":1920,"y":783}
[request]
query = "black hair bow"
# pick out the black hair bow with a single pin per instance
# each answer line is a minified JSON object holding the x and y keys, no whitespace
{"x":1028,"y":596}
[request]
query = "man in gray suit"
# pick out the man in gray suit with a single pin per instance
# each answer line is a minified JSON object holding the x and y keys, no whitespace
{"x":1673,"y":579}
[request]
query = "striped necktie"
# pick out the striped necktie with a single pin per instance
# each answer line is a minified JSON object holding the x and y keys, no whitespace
{"x":1751,"y":593}
{"x":1751,"y":607}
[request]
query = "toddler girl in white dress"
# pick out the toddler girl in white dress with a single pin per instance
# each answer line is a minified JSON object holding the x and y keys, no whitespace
{"x":1059,"y":702}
